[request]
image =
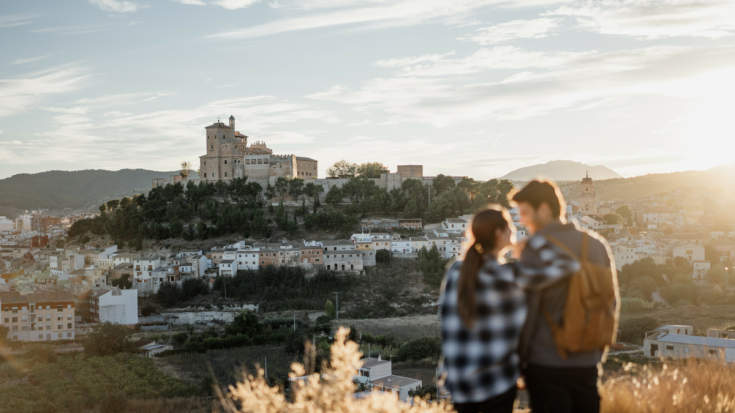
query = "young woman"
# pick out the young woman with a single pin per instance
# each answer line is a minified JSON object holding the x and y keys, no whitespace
{"x":483,"y":311}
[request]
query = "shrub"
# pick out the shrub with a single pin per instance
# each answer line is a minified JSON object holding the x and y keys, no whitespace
{"x":421,"y":348}
{"x":333,"y":392}
{"x":323,"y":319}
{"x":634,"y":305}
{"x":633,"y":330}
{"x":107,"y":339}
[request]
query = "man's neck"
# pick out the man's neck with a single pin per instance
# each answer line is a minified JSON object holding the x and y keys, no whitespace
{"x":548,"y":224}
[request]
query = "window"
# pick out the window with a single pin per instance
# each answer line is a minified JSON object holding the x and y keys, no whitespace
{"x":211,"y":147}
{"x":40,"y":336}
{"x":60,"y":308}
{"x":225,"y":159}
{"x":669,"y":347}
{"x":48,"y":317}
{"x":60,"y":327}
{"x":7,"y":320}
{"x":205,"y":174}
{"x":713,"y":352}
{"x":15,"y":328}
{"x":15,"y":319}
{"x":68,"y":335}
{"x":225,"y":174}
{"x":68,"y":325}
{"x":60,"y":318}
{"x":25,"y":328}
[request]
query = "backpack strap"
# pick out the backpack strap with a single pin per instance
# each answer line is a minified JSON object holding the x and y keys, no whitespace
{"x":562,"y":246}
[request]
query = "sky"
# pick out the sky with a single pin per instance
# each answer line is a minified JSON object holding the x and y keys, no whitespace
{"x":464,"y":87}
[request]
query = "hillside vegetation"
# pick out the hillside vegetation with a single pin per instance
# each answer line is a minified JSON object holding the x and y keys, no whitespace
{"x":73,"y":189}
{"x":646,"y":185}
{"x":199,"y":211}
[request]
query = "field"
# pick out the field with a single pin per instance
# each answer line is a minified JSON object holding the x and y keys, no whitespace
{"x":227,"y":365}
{"x":41,"y":381}
{"x":701,"y":318}
{"x":402,"y":328}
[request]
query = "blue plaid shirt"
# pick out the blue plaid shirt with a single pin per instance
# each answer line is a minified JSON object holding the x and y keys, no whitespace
{"x":482,"y":362}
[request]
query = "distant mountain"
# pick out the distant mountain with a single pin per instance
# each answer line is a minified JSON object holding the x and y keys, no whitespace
{"x":562,"y":171}
{"x":74,"y":189}
{"x":721,"y":177}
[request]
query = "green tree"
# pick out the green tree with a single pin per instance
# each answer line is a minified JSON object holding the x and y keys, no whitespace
{"x":411,"y":210}
{"x":107,"y":339}
{"x":646,"y":285}
{"x":112,"y":204}
{"x":624,"y":211}
{"x":330,"y":310}
{"x":716,"y":275}
{"x":342,"y":169}
{"x":103,"y":208}
{"x":383,"y":256}
{"x":296,"y":188}
{"x":711,"y":254}
{"x":313,"y":191}
{"x":125,"y":282}
{"x":371,"y":169}
{"x":282,"y":185}
{"x":613,"y":219}
{"x":633,"y":330}
{"x":443,"y":183}
{"x":125,"y":202}
{"x":334,"y":196}
{"x":245,"y":323}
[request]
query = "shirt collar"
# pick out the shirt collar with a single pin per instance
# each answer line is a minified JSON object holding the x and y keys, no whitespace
{"x":556,"y":226}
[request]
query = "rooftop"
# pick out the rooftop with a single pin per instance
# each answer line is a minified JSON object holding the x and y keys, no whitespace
{"x":369,"y":362}
{"x":396,"y":382}
{"x":696,"y":340}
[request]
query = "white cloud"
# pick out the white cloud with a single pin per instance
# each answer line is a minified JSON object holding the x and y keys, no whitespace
{"x":652,"y":19}
{"x":407,"y":61}
{"x":79,"y":29}
{"x":134,"y":22}
{"x":15,"y":20}
{"x":235,"y":4}
{"x":118,"y":6}
{"x":402,"y":12}
{"x":191,"y":2}
{"x":161,"y":139}
{"x":18,"y":94}
{"x":516,"y":29}
{"x":1,"y":131}
{"x":30,"y":59}
{"x":499,"y":57}
{"x":77,"y":110}
{"x":582,"y":80}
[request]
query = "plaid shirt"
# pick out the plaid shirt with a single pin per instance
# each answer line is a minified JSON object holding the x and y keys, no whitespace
{"x":483,"y":361}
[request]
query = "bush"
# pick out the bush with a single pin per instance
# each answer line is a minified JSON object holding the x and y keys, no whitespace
{"x":425,"y":347}
{"x":107,"y":339}
{"x":323,"y":319}
{"x":633,"y":330}
{"x":383,"y":256}
{"x":634,"y":305}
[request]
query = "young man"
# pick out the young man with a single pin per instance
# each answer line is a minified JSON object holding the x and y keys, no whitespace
{"x":555,"y":384}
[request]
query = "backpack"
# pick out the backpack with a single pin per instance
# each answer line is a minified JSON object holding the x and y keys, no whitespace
{"x":591,"y":311}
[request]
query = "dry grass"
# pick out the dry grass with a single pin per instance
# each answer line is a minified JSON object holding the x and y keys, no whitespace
{"x":174,"y":405}
{"x":694,"y":386}
{"x":402,"y":328}
{"x":332,"y":392}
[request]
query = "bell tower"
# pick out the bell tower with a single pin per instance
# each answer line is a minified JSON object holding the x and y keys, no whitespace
{"x":587,"y":197}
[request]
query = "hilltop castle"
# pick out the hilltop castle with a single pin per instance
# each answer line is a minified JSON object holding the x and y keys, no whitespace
{"x":228,"y":156}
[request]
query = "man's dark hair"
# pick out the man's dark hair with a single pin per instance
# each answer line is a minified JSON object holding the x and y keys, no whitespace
{"x":539,"y":192}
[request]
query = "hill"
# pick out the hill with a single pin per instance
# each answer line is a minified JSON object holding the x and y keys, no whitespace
{"x":722,"y":176}
{"x":562,"y":171}
{"x":73,"y":189}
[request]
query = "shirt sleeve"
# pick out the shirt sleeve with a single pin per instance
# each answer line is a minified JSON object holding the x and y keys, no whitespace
{"x":543,"y":264}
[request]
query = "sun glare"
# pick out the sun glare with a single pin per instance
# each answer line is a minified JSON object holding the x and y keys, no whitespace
{"x":711,"y":133}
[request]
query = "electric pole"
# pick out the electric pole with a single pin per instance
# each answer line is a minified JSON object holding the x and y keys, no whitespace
{"x":336,"y":313}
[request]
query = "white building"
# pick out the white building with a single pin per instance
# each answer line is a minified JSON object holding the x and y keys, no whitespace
{"x":247,"y":259}
{"x":119,"y":307}
{"x":6,"y":224}
{"x":455,"y":225}
{"x":624,"y":253}
{"x":692,"y":252}
{"x":380,"y":241}
{"x":662,"y":343}
{"x":699,"y":269}
{"x":402,"y":246}
{"x":378,"y":373}
{"x":227,"y":267}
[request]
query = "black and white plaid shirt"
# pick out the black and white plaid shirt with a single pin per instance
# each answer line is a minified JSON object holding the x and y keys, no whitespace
{"x":483,"y":362}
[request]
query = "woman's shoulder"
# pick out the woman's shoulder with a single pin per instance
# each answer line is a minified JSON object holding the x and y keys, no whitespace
{"x":499,"y":271}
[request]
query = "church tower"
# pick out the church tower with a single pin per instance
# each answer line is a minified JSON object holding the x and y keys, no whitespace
{"x":587,"y":197}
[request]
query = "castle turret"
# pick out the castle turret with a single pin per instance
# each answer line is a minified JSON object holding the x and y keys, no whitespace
{"x":232,"y":124}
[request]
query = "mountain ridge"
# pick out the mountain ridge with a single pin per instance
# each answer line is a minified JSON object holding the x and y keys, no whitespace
{"x":561,"y":170}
